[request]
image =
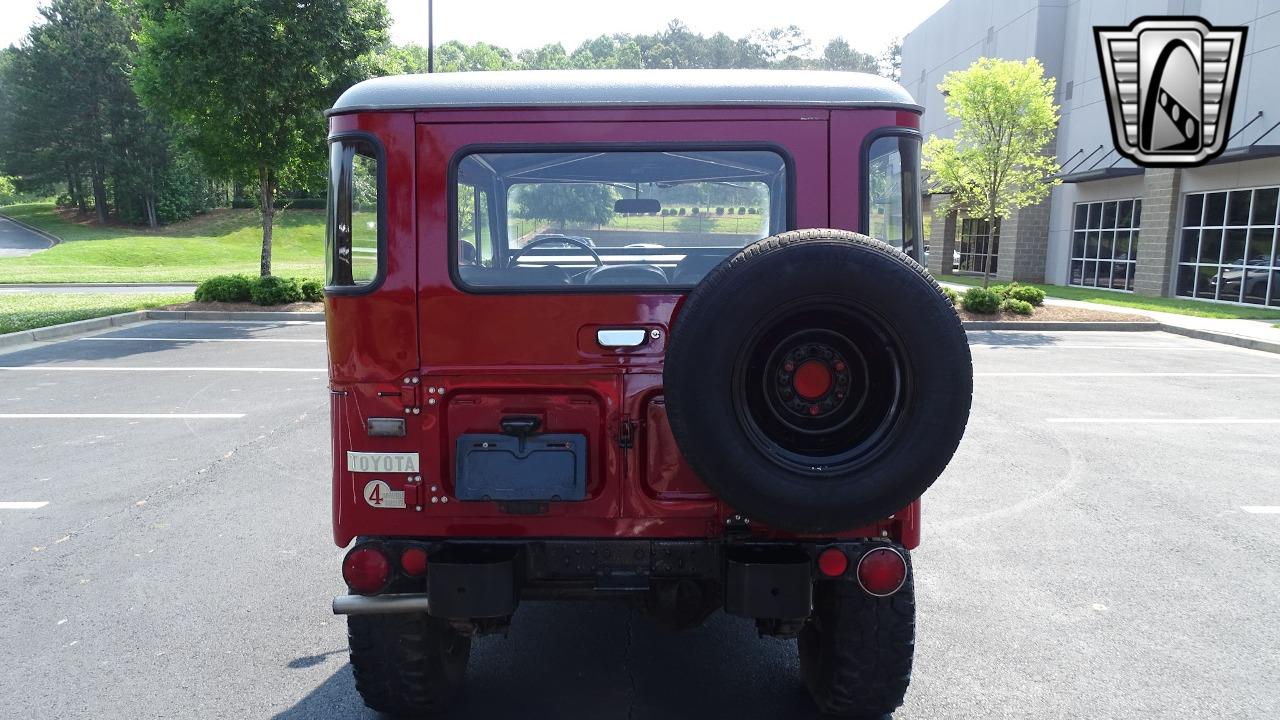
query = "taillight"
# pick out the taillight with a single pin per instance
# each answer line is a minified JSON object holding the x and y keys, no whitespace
{"x":366,"y":569}
{"x":882,"y":571}
{"x":414,"y":562}
{"x":832,"y":562}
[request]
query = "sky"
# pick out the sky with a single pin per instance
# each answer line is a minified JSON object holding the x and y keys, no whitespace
{"x":868,"y":25}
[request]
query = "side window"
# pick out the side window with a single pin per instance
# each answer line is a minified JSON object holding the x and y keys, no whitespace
{"x":893,"y":192}
{"x":351,"y":240}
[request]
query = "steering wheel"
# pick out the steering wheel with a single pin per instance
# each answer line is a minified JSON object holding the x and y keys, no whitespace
{"x":513,"y":257}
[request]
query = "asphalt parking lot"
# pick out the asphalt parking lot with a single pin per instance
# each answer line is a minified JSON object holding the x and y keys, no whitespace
{"x":1104,"y":545}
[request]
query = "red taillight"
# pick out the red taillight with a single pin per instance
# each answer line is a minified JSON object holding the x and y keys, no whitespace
{"x":366,"y":569}
{"x":882,"y":571}
{"x":414,"y":562}
{"x":832,"y":562}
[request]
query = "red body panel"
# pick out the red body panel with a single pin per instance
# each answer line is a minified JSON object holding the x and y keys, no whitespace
{"x":535,"y":353}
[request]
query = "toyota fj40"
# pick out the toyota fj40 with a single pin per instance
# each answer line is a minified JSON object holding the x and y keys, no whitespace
{"x":660,"y":335}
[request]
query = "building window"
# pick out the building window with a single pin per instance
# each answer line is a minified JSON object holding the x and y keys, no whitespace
{"x":972,"y":246}
{"x":1104,"y":243}
{"x":1228,"y":249}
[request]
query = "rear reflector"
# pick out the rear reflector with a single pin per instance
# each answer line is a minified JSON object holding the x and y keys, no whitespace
{"x":882,"y":571}
{"x":414,"y":562}
{"x":366,"y":569}
{"x":832,"y":562}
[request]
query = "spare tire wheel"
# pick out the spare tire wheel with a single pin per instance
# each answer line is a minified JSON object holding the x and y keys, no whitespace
{"x":818,"y":380}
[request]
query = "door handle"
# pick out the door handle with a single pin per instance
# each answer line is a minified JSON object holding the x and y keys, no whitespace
{"x":620,"y":338}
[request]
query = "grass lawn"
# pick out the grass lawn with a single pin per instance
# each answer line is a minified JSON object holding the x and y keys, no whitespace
{"x":24,"y":311}
{"x":218,"y":242}
{"x":1180,"y":306}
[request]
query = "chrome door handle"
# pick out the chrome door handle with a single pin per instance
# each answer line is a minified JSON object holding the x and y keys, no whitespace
{"x":620,"y":338}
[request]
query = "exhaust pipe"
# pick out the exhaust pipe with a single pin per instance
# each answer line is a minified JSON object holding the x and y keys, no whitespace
{"x":380,"y":604}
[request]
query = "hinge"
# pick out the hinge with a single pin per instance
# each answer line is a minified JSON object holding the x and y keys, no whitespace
{"x":411,"y":394}
{"x":627,"y":434}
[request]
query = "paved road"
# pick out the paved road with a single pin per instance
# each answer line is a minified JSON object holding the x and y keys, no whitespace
{"x":1087,"y":554}
{"x":16,"y":241}
{"x":114,"y":288}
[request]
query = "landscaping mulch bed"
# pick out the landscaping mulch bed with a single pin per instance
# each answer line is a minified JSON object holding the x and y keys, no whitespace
{"x":1056,"y":313}
{"x":248,"y":307}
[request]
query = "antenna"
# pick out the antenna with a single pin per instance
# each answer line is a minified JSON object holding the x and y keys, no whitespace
{"x":431,"y":45}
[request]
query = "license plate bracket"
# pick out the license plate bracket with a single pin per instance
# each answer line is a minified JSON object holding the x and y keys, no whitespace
{"x":547,"y":467}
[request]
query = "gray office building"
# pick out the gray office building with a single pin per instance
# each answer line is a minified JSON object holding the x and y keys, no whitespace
{"x":1206,"y":232}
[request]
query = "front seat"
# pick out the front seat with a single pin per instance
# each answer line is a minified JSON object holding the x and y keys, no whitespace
{"x":634,"y":274}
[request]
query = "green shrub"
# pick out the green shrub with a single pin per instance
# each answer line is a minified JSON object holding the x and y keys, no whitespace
{"x":272,"y":290}
{"x":1002,"y":291}
{"x":1017,"y":307}
{"x":952,"y":296}
{"x":980,"y":300}
{"x":312,"y":290}
{"x":1026,"y":293}
{"x":224,"y":288}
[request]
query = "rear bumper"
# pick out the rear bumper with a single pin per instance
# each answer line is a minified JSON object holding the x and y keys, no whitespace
{"x":488,"y":578}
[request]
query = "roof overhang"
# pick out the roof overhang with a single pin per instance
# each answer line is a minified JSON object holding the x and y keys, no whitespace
{"x":1100,"y":174}
{"x":1247,"y":152}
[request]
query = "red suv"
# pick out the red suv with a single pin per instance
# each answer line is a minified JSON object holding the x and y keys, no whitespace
{"x":655,"y":335}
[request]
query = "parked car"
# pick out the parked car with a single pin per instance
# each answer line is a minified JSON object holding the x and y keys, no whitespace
{"x":729,"y":414}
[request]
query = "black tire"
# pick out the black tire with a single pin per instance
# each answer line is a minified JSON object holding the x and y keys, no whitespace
{"x":856,"y":650}
{"x":898,"y":380}
{"x":407,"y":665}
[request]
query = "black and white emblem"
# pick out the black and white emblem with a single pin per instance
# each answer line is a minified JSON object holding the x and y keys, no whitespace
{"x":1170,"y":83}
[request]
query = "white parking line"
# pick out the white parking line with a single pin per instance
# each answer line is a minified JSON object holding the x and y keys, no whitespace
{"x":1167,"y":421}
{"x":1262,"y":509}
{"x":1015,"y":346}
{"x":122,"y":416}
{"x":22,"y":505}
{"x":1128,"y":374}
{"x":107,"y":368}
{"x":168,"y":339}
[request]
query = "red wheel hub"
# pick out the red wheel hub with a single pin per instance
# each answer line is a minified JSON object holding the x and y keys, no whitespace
{"x":812,"y":379}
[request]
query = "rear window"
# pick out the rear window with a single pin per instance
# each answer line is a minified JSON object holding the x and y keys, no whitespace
{"x":597,"y":218}
{"x":352,"y":247}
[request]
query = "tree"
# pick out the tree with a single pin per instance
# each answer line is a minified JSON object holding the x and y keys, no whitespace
{"x":838,"y":55}
{"x":890,"y":61}
{"x":562,"y":203}
{"x":995,"y":163}
{"x":250,"y":79}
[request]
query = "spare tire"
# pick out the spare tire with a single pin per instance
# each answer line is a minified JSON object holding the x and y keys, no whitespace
{"x":818,"y":380}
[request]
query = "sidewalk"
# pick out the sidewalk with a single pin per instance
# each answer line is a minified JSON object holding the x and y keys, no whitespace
{"x":1260,"y":330}
{"x":1254,"y":334}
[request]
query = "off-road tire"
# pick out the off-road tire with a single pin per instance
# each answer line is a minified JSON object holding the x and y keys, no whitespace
{"x":720,"y":328}
{"x":406,"y":665}
{"x":856,"y":650}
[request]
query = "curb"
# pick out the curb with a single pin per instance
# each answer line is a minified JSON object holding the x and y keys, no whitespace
{"x":267,"y":315}
{"x":42,"y":286}
{"x":1223,"y":338}
{"x":79,"y":327}
{"x":55,"y":332}
{"x":1061,"y":325}
{"x":53,"y":239}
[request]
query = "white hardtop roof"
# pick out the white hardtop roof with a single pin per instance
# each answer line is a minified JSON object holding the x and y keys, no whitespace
{"x":623,"y":88}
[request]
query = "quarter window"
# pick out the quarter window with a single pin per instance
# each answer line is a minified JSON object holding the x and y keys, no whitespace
{"x":352,"y":247}
{"x":1104,"y":244}
{"x":893,"y":191}
{"x":1228,"y":247}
